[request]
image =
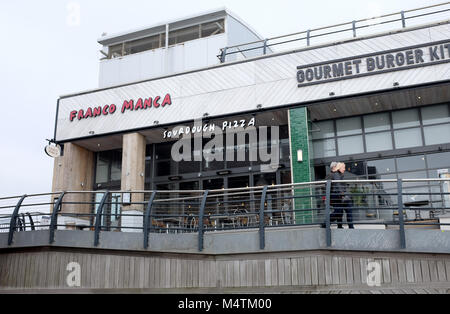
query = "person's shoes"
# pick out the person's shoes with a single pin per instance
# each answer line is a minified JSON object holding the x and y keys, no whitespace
{"x":340,"y":227}
{"x":351,"y":227}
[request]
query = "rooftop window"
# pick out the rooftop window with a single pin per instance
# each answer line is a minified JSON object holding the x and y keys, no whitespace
{"x":176,"y":36}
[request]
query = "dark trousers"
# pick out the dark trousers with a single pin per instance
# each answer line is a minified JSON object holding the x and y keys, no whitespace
{"x":339,"y":207}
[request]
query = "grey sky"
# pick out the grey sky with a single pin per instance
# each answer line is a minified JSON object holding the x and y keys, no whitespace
{"x":43,"y":56}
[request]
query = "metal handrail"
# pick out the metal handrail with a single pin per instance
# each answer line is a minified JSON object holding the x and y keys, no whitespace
{"x":353,"y":27}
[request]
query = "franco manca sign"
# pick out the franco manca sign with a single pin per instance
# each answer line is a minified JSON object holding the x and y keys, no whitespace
{"x":370,"y":64}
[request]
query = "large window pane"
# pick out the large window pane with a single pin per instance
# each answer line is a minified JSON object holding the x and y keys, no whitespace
{"x":435,"y":114}
{"x":212,"y":28}
{"x":405,"y":118}
{"x":348,"y":126}
{"x":441,"y":160}
{"x":378,"y":141}
{"x":350,"y":145}
{"x":411,"y":163}
{"x":408,"y":138}
{"x":437,"y":134}
{"x":381,"y":166}
{"x":324,"y":148}
{"x":322,"y":129}
{"x":377,"y":122}
{"x":101,"y":173}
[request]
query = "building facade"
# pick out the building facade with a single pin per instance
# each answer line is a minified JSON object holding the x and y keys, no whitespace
{"x":379,"y":103}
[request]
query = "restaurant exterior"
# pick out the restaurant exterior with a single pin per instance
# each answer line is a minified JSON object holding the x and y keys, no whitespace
{"x":170,"y":115}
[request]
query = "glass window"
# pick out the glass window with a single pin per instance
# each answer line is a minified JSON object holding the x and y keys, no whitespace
{"x":408,"y":138}
{"x":212,"y":28}
{"x":322,"y":129}
{"x":183,"y":35}
{"x":405,"y":118}
{"x":381,"y":166}
{"x":348,"y":126}
{"x":379,"y":141}
{"x":350,"y":145}
{"x":356,"y":168}
{"x":437,"y":134}
{"x":101,"y":174}
{"x":435,"y":114}
{"x":238,"y":182}
{"x":377,"y":122}
{"x":163,"y":150}
{"x":324,"y":148}
{"x":440,"y":160}
{"x":411,"y":163}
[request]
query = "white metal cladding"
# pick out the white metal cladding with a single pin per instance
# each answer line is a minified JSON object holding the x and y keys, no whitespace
{"x":240,"y":87}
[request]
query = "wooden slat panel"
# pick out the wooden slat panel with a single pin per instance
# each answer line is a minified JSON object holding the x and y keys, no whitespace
{"x":274,"y":271}
{"x":321,"y":270}
{"x":267,"y":273}
{"x":441,"y":271}
{"x":328,"y":270}
{"x":342,"y":271}
{"x":386,"y":270}
{"x":433,"y":271}
{"x":314,"y":269}
{"x":394,"y":270}
{"x":287,"y":272}
{"x":260,"y":272}
{"x":447,"y":269}
{"x":280,"y":271}
{"x":301,"y":271}
{"x":409,"y":271}
{"x":349,"y":270}
{"x":425,"y":271}
{"x":417,"y":271}
{"x":401,"y":270}
{"x":307,"y":267}
{"x":335,"y":269}
{"x":294,"y":272}
{"x":107,"y":271}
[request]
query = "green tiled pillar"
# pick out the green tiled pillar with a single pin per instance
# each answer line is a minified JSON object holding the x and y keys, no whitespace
{"x":301,"y":170}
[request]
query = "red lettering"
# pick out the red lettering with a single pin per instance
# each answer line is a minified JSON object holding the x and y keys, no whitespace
{"x":127,"y":105}
{"x":148,"y":103}
{"x":88,"y":113}
{"x":105,"y":110}
{"x":156,"y":104}
{"x":97,"y":111}
{"x":73,"y":114}
{"x":166,"y":101}
{"x":80,"y":114}
{"x":112,"y":109}
{"x":138,"y":104}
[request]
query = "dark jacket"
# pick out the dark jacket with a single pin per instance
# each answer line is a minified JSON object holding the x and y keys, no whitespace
{"x":338,"y":189}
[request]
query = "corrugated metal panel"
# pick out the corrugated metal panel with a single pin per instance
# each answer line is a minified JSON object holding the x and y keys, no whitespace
{"x":241,"y":87}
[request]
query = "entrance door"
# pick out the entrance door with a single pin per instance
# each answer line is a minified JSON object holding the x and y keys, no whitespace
{"x":111,"y":212}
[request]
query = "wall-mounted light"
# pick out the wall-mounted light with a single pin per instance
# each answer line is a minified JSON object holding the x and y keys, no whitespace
{"x":175,"y":178}
{"x":156,"y":122}
{"x":396,"y":84}
{"x":299,"y":155}
{"x":223,"y":172}
{"x":331,"y":94}
{"x":258,"y":106}
{"x":91,"y":132}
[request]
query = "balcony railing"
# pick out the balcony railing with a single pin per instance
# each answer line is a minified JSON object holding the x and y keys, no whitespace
{"x":316,"y":36}
{"x":381,"y":204}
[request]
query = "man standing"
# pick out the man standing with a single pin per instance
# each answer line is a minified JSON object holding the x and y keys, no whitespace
{"x":340,"y":200}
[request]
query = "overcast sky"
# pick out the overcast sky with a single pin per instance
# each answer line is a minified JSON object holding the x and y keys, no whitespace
{"x":45,"y":53}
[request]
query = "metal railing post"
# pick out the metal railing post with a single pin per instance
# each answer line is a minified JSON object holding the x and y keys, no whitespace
{"x":12,"y":224}
{"x":54,"y":219}
{"x":223,"y":56}
{"x":400,"y":213}
{"x":31,"y":221}
{"x":147,"y":219}
{"x":265,"y":46}
{"x":262,"y":240}
{"x":308,"y":33}
{"x":98,"y":218}
{"x":354,"y":28}
{"x":402,"y":13}
{"x":328,"y":212}
{"x":201,"y":214}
